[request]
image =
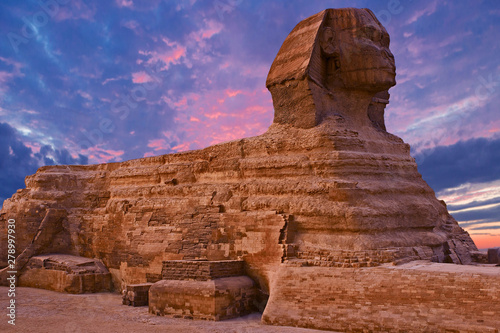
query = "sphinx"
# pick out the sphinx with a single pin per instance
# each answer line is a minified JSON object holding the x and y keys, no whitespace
{"x":326,"y":190}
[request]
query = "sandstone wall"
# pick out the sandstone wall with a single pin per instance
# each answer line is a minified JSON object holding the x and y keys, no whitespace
{"x":417,"y":297}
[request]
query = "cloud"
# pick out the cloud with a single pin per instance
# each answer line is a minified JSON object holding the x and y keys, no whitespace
{"x":427,"y":11}
{"x":210,"y":29}
{"x":471,"y":195}
{"x":132,"y":25}
{"x":158,"y":144}
{"x":194,"y":49}
{"x":476,"y":206}
{"x":479,"y":215}
{"x":111,"y":79}
{"x":84,"y":94}
{"x":141,"y":77}
{"x":51,"y":156}
{"x":102,"y":155}
{"x":173,"y":54}
{"x":17,"y":160}
{"x":216,"y":116}
{"x":471,"y":161}
{"x":76,"y":9}
{"x":124,"y":3}
{"x":12,"y":71}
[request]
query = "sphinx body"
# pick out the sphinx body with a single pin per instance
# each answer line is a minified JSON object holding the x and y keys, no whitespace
{"x":325,"y":186}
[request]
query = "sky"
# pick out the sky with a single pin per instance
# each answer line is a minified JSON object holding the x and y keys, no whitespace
{"x":85,"y":82}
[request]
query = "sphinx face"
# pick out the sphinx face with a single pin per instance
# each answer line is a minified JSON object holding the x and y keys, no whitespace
{"x":359,"y":56}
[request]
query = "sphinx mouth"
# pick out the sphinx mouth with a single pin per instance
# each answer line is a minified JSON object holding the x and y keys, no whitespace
{"x":391,"y":70}
{"x":385,"y":69}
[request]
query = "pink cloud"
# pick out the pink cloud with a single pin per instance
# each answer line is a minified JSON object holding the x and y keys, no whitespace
{"x":205,"y":122}
{"x":99,"y":155}
{"x":224,"y":65}
{"x":211,"y":28}
{"x":15,"y":64}
{"x":180,"y":103}
{"x":181,"y":147}
{"x":215,"y":115}
{"x":6,"y":77}
{"x":78,"y":9}
{"x":35,"y":146}
{"x":170,"y":56}
{"x":232,"y":93}
{"x":158,"y":144}
{"x":125,"y":3}
{"x":132,"y":25}
{"x":176,"y":53}
{"x":141,"y":77}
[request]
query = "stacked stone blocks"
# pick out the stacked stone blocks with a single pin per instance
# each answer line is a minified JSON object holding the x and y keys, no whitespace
{"x":209,"y":290}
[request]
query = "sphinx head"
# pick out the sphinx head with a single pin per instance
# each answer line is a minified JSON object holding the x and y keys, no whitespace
{"x":356,"y":50}
{"x":333,"y":62}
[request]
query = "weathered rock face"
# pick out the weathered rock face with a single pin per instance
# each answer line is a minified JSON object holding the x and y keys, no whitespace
{"x":326,"y":185}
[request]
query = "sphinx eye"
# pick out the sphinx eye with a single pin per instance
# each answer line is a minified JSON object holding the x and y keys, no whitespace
{"x":371,"y":33}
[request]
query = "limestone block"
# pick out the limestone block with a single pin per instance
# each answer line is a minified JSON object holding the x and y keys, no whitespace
{"x":217,"y":299}
{"x":66,"y":273}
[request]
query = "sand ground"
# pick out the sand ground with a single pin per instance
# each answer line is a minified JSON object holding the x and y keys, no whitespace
{"x":40,"y":310}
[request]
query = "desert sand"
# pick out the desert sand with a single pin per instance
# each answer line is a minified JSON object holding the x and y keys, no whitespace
{"x":42,"y":311}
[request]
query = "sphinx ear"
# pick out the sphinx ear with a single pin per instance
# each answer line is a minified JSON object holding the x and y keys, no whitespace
{"x":328,"y":42}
